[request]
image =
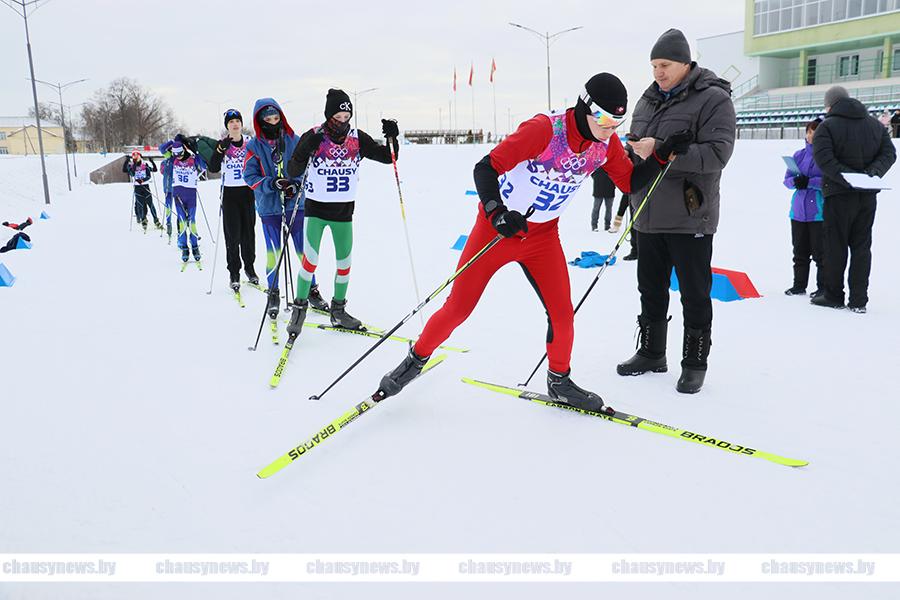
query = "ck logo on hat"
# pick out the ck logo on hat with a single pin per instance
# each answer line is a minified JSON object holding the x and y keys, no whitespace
{"x":345,"y":106}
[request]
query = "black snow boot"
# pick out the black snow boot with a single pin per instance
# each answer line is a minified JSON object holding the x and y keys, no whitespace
{"x":196,"y":252}
{"x":693,"y":363}
{"x":341,"y":318}
{"x":561,"y":388}
{"x":316,"y":300}
{"x":409,"y":369}
{"x":252,"y":277}
{"x":651,"y":354}
{"x":273,"y":303}
{"x":297,"y":317}
{"x":185,"y":254}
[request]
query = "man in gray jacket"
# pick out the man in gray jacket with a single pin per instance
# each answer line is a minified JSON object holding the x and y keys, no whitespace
{"x":677,"y":224}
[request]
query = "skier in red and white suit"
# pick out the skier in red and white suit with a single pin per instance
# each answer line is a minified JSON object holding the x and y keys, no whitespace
{"x":540,"y":166}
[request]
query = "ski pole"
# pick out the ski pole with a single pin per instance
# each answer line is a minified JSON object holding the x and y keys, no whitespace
{"x":388,"y":334}
{"x":412,"y":266}
{"x":218,"y":229}
{"x":132,"y":208}
{"x":610,"y":257}
{"x":278,"y":264}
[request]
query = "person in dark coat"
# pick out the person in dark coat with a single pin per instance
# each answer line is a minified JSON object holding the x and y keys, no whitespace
{"x":676,"y":226}
{"x":604,"y":193}
{"x":849,"y":140}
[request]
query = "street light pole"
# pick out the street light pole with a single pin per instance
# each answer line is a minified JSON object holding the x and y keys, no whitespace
{"x":24,"y":5}
{"x":62,"y":117}
{"x":548,"y":38}
{"x":356,"y":108}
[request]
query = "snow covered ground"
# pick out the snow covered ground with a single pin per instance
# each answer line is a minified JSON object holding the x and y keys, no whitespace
{"x":134,"y":418}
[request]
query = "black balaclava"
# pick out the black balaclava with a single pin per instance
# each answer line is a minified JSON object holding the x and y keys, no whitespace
{"x":606,"y":91}
{"x":269,"y":131}
{"x":337,"y":101}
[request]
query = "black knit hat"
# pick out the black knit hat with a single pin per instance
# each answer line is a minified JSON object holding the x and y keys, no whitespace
{"x":337,"y":101}
{"x":673,"y":46}
{"x":606,"y":91}
{"x":233,"y":113}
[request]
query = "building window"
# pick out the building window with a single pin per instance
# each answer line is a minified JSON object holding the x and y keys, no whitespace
{"x":895,"y":62}
{"x":773,"y":16}
{"x":4,"y":150}
{"x":2,"y":135}
{"x":848,"y":66}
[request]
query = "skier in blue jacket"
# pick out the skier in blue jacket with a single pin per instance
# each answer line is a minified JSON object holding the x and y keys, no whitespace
{"x":276,"y":193}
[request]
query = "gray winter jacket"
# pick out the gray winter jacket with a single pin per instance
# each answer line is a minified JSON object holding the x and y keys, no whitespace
{"x":704,"y":106}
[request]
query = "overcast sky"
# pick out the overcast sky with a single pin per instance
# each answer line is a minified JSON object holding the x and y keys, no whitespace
{"x":203,"y":56}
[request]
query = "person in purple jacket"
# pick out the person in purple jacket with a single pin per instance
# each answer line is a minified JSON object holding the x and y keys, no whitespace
{"x":806,"y":217}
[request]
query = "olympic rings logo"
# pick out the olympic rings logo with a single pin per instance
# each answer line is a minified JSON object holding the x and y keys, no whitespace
{"x":573,"y":163}
{"x":338,"y":152}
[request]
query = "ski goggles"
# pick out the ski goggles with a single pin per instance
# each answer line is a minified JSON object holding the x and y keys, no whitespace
{"x":232,"y":113}
{"x":601,"y":116}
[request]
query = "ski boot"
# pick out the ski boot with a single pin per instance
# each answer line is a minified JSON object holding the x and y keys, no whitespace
{"x":273,"y":303}
{"x":158,"y":225}
{"x":144,"y":225}
{"x":235,"y":284}
{"x":562,"y":389}
{"x":340,"y":317}
{"x":409,"y":369}
{"x":316,"y":300}
{"x":196,"y":251}
{"x":297,"y":317}
{"x":617,"y":222}
{"x":651,"y":354}
{"x":185,"y":254}
{"x":795,"y":291}
{"x":252,"y":278}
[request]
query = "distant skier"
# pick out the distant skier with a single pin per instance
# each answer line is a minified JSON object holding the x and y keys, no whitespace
{"x":265,"y":171}
{"x":238,"y":210}
{"x":165,"y":168}
{"x":335,"y":149}
{"x":186,"y":169}
{"x":540,"y":166}
{"x":140,"y":173}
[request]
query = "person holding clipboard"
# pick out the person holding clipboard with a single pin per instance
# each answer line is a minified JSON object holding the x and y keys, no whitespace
{"x":805,"y":178}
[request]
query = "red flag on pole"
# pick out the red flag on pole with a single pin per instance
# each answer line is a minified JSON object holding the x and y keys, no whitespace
{"x":471,"y":73}
{"x":493,"y":68}
{"x":454,"y":79}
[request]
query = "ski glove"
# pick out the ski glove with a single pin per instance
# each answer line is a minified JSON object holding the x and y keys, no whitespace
{"x":801,"y":182}
{"x":311,"y":143}
{"x":224,"y":144}
{"x":677,"y":143}
{"x":389,"y":128}
{"x":508,"y":222}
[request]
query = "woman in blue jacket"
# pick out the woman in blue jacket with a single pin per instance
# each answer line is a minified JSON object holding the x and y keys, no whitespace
{"x":806,"y":216}
{"x":276,"y":193}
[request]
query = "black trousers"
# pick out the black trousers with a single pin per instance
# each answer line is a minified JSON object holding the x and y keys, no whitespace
{"x":691,"y":257}
{"x":807,"y":239}
{"x":848,"y":226}
{"x":239,"y":222}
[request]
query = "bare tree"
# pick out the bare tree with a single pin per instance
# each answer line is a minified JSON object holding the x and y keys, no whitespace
{"x":126,"y":113}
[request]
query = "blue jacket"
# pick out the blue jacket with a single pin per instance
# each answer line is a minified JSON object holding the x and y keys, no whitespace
{"x":260,"y":170}
{"x":806,"y":205}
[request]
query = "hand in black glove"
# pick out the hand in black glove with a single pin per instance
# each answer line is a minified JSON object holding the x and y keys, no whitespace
{"x":801,"y":182}
{"x":281,"y":184}
{"x":224,"y":144}
{"x":312,"y":143}
{"x":290,"y":190}
{"x":677,"y":143}
{"x":389,"y":128}
{"x":873,"y":171}
{"x":508,"y":222}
